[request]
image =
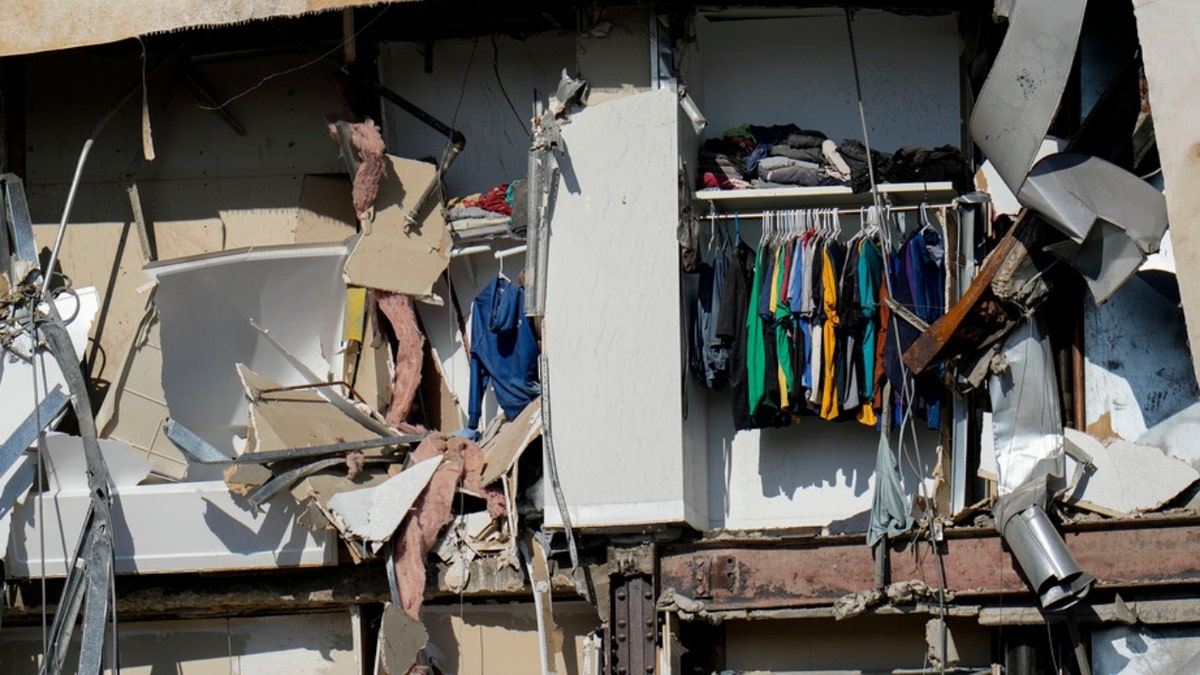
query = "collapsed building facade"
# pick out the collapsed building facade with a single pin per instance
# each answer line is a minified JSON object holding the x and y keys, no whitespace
{"x":458,"y":338}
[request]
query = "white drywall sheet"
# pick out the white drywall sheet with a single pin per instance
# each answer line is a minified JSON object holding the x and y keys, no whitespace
{"x":172,"y":527}
{"x":613,"y":322}
{"x":206,"y":307}
{"x":797,"y":68}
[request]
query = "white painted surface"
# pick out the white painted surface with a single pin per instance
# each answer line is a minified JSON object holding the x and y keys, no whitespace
{"x":173,"y":527}
{"x":1138,"y":370}
{"x":21,"y":379}
{"x":1169,"y":33}
{"x":812,"y":473}
{"x":374,"y":513}
{"x":780,"y":70}
{"x":321,"y":644}
{"x":613,"y":324}
{"x":206,"y":307}
{"x":1140,"y":650}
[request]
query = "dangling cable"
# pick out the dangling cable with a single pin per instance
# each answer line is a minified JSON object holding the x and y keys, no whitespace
{"x":906,"y":391}
{"x":862,"y":112}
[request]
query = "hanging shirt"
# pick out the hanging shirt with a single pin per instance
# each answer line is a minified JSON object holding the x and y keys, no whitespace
{"x":504,"y":350}
{"x":756,"y":359}
{"x":709,"y":356}
{"x":870,"y":277}
{"x":782,"y":315}
{"x":817,"y":321}
{"x":732,"y":328}
{"x":829,"y":394}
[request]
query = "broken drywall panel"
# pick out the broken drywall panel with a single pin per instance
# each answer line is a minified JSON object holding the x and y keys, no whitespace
{"x":1169,"y":33}
{"x":66,"y":466}
{"x":514,"y":437}
{"x":1176,"y":436}
{"x":1125,"y":477}
{"x":373,"y":514}
{"x":22,"y":380}
{"x":244,"y":479}
{"x":300,"y":418}
{"x":1142,"y":650}
{"x":401,"y":639}
{"x":1137,"y":372}
{"x":315,"y":491}
{"x":393,"y":254}
{"x":209,"y":306}
{"x":135,"y":409}
{"x":208,"y":529}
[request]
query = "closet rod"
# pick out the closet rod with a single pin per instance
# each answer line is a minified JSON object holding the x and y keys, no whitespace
{"x":862,"y":211}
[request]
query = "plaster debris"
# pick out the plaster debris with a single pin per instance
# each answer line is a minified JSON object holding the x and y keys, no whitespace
{"x":373,"y":514}
{"x":1125,"y":478}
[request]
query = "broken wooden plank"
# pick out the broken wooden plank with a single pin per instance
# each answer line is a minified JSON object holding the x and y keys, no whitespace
{"x":976,"y":319}
{"x":510,"y":443}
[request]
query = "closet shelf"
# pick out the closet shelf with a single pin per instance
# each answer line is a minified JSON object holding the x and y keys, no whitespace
{"x":730,"y":201}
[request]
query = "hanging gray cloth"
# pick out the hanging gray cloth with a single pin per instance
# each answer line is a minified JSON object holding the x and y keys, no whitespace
{"x":889,"y":510}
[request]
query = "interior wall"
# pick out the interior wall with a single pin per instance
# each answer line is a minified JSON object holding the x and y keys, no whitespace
{"x":795,"y":66}
{"x":867,"y":643}
{"x":484,"y":87}
{"x":303,"y":643}
{"x":477,"y":639}
{"x":1136,"y":373}
{"x":209,"y":187}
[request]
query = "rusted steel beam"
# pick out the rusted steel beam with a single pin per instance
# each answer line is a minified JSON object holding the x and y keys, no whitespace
{"x":781,"y":576}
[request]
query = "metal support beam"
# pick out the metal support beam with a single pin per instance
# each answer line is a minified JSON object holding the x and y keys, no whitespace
{"x":754,"y":577}
{"x":633,"y":626}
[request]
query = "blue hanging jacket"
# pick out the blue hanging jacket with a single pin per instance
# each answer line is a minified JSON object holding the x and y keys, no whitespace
{"x":504,"y":351}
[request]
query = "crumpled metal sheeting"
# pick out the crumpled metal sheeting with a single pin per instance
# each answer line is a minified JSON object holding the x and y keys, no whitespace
{"x":1046,"y":560}
{"x":1017,"y":103}
{"x":1026,"y":418}
{"x":90,"y":580}
{"x":1073,"y":192}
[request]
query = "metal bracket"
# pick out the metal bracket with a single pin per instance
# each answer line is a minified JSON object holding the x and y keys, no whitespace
{"x":702,"y":573}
